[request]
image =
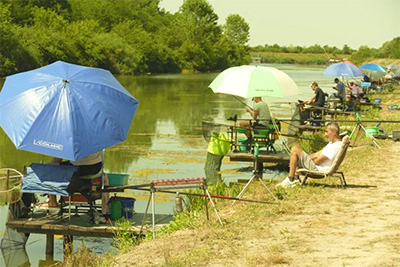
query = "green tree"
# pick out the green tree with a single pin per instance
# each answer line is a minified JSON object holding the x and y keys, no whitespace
{"x":390,"y":49}
{"x":22,"y":10}
{"x":364,"y":53}
{"x":8,"y":42}
{"x":347,"y":50}
{"x":315,"y":49}
{"x":198,"y":35}
{"x":236,"y":35}
{"x":236,"y":30}
{"x":295,"y":49}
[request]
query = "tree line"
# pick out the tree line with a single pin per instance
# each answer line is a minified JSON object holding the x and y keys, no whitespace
{"x":124,"y":36}
{"x":314,"y":49}
{"x":389,"y":49}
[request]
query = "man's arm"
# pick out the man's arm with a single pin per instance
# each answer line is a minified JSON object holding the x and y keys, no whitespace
{"x":315,"y":155}
{"x":321,"y":158}
{"x":318,"y":158}
{"x":253,"y":113}
{"x":311,"y":100}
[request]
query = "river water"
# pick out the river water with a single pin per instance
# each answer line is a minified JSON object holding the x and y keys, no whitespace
{"x":165,"y":140}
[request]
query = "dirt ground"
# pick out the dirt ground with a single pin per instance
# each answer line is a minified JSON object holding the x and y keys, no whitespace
{"x":356,"y":226}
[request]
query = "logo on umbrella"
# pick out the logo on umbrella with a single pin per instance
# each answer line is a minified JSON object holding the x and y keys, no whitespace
{"x":48,"y":145}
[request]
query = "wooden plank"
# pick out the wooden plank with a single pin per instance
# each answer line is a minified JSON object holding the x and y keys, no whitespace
{"x":78,"y":226}
{"x":55,"y":227}
{"x":16,"y":223}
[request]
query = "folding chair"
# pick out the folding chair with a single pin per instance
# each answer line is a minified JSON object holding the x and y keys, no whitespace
{"x":86,"y":197}
{"x":333,"y":171}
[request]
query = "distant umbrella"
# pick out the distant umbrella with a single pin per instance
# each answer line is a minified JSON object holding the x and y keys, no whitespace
{"x":393,"y":67}
{"x":372,"y":67}
{"x":343,"y":69}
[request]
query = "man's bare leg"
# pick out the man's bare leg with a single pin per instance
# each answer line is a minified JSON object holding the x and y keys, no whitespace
{"x":295,"y":153}
{"x":53,"y":201}
{"x":246,"y":124}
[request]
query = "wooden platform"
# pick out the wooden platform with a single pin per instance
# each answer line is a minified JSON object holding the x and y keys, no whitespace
{"x":279,"y":157}
{"x":43,"y":223}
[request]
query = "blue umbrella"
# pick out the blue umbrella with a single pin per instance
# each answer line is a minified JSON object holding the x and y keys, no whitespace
{"x":65,"y":110}
{"x":372,"y":67}
{"x":343,"y":69}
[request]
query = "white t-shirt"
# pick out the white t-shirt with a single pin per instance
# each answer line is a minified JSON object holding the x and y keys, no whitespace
{"x":88,"y":160}
{"x":264,"y":116}
{"x":330,"y":151}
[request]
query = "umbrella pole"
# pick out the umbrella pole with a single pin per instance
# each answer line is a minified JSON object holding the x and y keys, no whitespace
{"x":102,"y":170}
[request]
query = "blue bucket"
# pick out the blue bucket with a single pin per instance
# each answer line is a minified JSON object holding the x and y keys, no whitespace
{"x":127,"y":206}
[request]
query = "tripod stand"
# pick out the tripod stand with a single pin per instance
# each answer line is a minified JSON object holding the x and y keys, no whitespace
{"x":359,"y":126}
{"x":256,"y":176}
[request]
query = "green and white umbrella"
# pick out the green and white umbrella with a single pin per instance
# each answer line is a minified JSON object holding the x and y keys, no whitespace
{"x":254,"y":81}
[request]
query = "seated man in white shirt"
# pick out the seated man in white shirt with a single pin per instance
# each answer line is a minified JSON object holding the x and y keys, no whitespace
{"x":321,"y":160}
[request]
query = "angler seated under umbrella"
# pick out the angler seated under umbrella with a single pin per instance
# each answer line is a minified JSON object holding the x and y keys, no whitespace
{"x":90,"y":165}
{"x":261,"y":116}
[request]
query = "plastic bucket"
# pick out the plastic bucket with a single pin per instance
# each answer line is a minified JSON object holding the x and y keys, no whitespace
{"x":127,"y":206}
{"x":371,"y":131}
{"x":242,"y":147}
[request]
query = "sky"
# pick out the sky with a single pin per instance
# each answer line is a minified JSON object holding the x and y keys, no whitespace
{"x":309,"y":22}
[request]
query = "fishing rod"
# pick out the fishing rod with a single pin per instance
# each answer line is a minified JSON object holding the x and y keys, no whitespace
{"x":213,"y":196}
{"x":320,"y":120}
{"x":109,"y":188}
{"x":238,"y":99}
{"x":303,"y":138}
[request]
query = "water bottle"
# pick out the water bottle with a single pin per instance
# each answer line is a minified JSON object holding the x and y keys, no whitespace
{"x":256,"y":149}
{"x":178,"y":203}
